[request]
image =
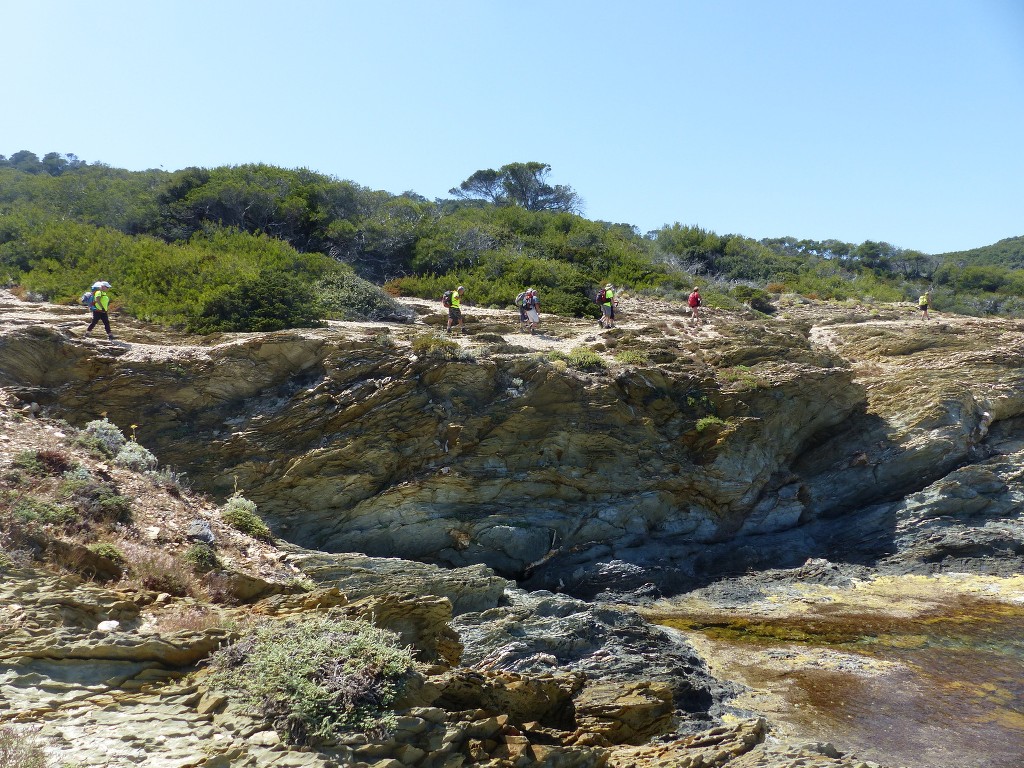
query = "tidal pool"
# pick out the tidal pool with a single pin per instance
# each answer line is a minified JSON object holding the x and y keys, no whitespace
{"x":943,"y":689}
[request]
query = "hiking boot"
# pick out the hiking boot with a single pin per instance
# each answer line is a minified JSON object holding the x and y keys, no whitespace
{"x":110,"y":337}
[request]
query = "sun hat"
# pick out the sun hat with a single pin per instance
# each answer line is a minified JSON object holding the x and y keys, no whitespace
{"x":101,"y":285}
{"x":608,"y":286}
{"x":460,"y":288}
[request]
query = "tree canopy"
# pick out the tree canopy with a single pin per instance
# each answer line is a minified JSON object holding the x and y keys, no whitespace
{"x":522,"y":184}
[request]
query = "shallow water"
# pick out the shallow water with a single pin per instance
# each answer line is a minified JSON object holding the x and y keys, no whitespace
{"x":956,"y":700}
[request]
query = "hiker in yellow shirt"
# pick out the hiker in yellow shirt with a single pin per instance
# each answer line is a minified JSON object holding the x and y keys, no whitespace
{"x":455,"y":310}
{"x":100,"y":305}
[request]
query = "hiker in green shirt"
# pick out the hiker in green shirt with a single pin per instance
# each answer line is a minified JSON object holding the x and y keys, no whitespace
{"x":606,"y":298}
{"x":455,"y":310}
{"x":100,"y":305}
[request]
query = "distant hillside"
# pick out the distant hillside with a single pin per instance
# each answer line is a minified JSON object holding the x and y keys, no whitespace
{"x":258,"y":248}
{"x":1007,"y":253}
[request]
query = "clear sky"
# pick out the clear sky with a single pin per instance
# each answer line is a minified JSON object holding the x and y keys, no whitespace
{"x":893,"y":120}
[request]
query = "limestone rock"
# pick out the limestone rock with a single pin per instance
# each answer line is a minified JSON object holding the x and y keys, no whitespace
{"x":625,"y":714}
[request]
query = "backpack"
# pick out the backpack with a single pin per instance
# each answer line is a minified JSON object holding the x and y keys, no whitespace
{"x":602,"y":296}
{"x":521,"y":300}
{"x":87,"y":300}
{"x":446,"y":299}
{"x":694,"y":300}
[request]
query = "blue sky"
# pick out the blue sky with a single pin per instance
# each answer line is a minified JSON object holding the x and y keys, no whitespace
{"x":900,"y":121}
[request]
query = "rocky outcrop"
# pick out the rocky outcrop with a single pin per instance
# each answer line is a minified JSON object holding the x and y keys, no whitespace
{"x":723,"y":451}
{"x":362,"y":440}
{"x":102,"y":689}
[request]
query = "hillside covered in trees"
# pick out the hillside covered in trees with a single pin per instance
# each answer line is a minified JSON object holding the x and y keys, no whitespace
{"x":257,"y":247}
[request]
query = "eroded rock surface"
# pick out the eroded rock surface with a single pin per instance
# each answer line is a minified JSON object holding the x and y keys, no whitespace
{"x":720,"y":456}
{"x":863,"y":438}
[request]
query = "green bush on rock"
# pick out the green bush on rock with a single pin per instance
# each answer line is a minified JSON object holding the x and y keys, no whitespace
{"x":316,"y":677}
{"x":240,"y":514}
{"x":347,"y":297}
{"x":102,"y":436}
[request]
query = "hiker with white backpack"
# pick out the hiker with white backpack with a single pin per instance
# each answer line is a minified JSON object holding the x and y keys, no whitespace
{"x":98,"y":300}
{"x":528,"y":304}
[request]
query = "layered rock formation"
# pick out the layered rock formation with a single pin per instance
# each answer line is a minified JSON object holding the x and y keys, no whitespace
{"x":409,"y":479}
{"x":756,"y":441}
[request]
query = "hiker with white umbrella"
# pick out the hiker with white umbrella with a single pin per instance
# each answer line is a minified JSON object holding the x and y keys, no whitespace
{"x":100,"y":304}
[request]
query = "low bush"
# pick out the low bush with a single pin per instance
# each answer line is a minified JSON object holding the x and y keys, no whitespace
{"x":109,"y":551}
{"x":347,"y":297}
{"x":581,"y":358}
{"x":96,"y":501}
{"x":45,"y":462}
{"x":632,"y":357}
{"x":134,"y":456}
{"x":267,"y":302}
{"x":755,"y":298}
{"x":202,"y":558}
{"x":28,"y":461}
{"x":172,"y":481}
{"x":240,"y":514}
{"x":102,"y":436}
{"x":29,"y":509}
{"x":710,"y":422}
{"x":434,"y":346}
{"x":316,"y":678}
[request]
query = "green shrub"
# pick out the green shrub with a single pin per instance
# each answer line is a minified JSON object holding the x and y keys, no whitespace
{"x":434,"y":346}
{"x":29,"y":462}
{"x":632,"y":357}
{"x":45,"y":462}
{"x":96,"y":501}
{"x":202,"y":558}
{"x":28,"y":509}
{"x":581,"y":358}
{"x":710,"y":422}
{"x":213,"y":278}
{"x":240,"y":514}
{"x":134,"y":456}
{"x":317,"y":677}
{"x":267,"y":302}
{"x":103,"y":436}
{"x":347,"y":297}
{"x":78,"y":474}
{"x":754,"y":297}
{"x":109,"y":551}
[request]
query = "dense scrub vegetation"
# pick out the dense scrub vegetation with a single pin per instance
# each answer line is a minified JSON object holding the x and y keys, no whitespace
{"x":256,"y":247}
{"x":314,"y":679}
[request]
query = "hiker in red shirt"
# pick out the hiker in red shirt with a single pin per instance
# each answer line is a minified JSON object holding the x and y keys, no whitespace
{"x":694,"y":302}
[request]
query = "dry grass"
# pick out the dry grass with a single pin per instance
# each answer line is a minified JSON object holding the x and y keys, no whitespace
{"x":45,"y":471}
